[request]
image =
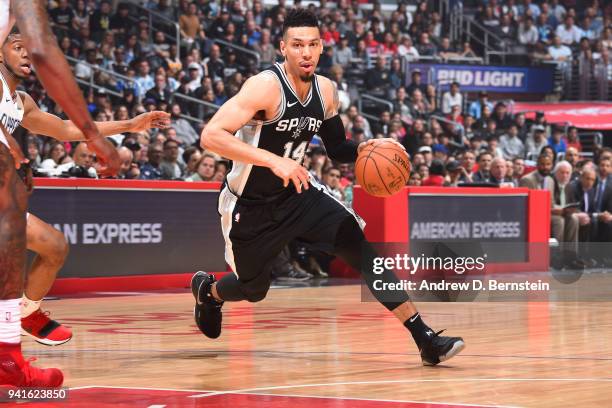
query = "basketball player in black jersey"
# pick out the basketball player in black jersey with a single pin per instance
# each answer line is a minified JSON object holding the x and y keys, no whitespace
{"x":269,"y":199}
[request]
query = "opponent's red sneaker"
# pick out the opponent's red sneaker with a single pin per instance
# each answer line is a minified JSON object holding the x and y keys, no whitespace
{"x":45,"y":331}
{"x":17,"y":372}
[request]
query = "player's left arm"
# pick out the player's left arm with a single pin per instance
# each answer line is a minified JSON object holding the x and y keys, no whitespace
{"x":43,"y":123}
{"x":332,"y":131}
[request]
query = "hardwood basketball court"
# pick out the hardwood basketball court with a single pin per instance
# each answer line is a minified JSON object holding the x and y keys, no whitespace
{"x":324,"y":347}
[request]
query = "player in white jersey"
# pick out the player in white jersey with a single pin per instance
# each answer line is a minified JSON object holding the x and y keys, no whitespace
{"x":50,"y":245}
{"x":56,"y":76}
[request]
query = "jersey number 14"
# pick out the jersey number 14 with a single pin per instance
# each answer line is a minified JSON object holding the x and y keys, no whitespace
{"x":296,"y":154}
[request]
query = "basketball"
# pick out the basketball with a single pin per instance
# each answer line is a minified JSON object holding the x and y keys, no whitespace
{"x":382,"y":169}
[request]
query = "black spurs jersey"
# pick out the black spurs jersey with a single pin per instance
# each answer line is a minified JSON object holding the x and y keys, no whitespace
{"x":288,"y":135}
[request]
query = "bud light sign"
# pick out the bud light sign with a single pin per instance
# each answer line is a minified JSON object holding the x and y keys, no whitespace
{"x":487,"y":78}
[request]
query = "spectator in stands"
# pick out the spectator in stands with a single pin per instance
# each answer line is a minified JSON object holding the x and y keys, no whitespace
{"x":128,"y":169}
{"x":120,"y":22}
{"x":427,"y":154}
{"x":564,"y":218}
{"x":454,"y":172}
{"x":518,"y":169}
{"x":86,"y":69}
{"x":498,"y":174}
{"x":266,"y":50}
{"x":99,"y":20}
{"x":536,"y":141}
{"x":569,"y":33}
{"x":144,"y":80}
{"x":171,"y":168}
{"x":205,"y":169}
{"x":436,"y":174}
{"x":588,"y":216}
{"x":191,"y":156}
{"x":415,"y":179}
{"x":396,"y":76}
{"x":511,"y":144}
{"x":406,"y":49}
{"x":151,"y":169}
{"x":559,"y":51}
{"x":527,"y":32}
{"x":502,"y":118}
{"x":419,"y":107}
{"x":415,"y":82}
{"x":62,"y":15}
{"x":336,"y":74}
{"x":484,"y":168}
{"x":468,"y":160}
{"x":189,"y":24}
{"x":55,"y":156}
{"x":377,"y":78}
{"x":477,"y":106}
{"x":572,"y":139}
{"x":493,"y":147}
{"x":446,"y":50}
{"x":383,"y":127}
{"x":540,"y":178}
{"x":451,"y":98}
{"x":331,"y":180}
{"x":425,"y":46}
{"x":522,"y":126}
{"x":159,"y":93}
{"x":214,"y":64}
{"x":400,"y":104}
{"x":186,"y":134}
{"x":544,"y":27}
{"x":556,"y":140}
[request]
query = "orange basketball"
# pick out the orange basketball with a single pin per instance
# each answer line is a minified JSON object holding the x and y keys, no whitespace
{"x":383,"y":169}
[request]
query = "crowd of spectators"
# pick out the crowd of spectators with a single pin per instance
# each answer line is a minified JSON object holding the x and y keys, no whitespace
{"x":453,"y":138}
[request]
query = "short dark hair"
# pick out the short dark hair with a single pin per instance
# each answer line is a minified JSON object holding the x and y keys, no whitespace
{"x":299,"y":17}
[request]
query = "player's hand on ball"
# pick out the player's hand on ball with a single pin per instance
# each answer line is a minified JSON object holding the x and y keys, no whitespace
{"x":291,"y":171}
{"x":148,"y":120}
{"x":373,"y":142}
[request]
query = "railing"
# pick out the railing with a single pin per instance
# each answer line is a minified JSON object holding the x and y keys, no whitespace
{"x":99,"y":68}
{"x":171,"y":23}
{"x":128,"y":81}
{"x":239,"y":49}
{"x":374,"y":99}
{"x":456,"y":125}
{"x":490,"y":42}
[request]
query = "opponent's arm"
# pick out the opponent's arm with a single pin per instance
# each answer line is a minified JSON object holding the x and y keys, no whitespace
{"x":338,"y":147}
{"x":56,"y":76}
{"x":256,"y":95}
{"x":43,"y":123}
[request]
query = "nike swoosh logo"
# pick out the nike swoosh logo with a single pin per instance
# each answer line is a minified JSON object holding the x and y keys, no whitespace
{"x":291,"y":104}
{"x":414,"y":318}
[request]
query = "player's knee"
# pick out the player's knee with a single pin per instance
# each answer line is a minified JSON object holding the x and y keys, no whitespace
{"x":256,"y":291}
{"x":57,"y":249}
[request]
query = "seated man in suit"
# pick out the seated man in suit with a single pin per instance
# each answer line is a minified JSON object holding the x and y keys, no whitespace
{"x":564,"y":220}
{"x":603,"y":200}
{"x":592,"y":222}
{"x":540,"y":178}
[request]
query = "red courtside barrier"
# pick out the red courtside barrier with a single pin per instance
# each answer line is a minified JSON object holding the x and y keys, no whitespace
{"x":389,"y":219}
{"x":131,"y":235}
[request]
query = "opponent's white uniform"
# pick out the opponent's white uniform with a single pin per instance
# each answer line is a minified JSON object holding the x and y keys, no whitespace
{"x":11,"y":110}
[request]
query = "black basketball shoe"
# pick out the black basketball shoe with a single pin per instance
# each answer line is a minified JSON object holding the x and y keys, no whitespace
{"x":440,"y":348}
{"x":207,"y":311}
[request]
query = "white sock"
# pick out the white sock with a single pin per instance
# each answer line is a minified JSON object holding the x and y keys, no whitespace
{"x":29,"y":306}
{"x":10,"y":321}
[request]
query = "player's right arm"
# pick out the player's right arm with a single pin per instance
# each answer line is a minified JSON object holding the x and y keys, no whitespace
{"x":259,"y":93}
{"x":56,"y":76}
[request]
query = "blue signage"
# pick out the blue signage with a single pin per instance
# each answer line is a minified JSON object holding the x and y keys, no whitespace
{"x":487,"y":78}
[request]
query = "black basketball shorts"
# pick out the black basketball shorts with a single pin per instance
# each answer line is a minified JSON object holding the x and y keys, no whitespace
{"x":256,"y":232}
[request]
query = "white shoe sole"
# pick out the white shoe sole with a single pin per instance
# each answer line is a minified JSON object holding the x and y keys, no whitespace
{"x":456,"y":349}
{"x":45,"y":342}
